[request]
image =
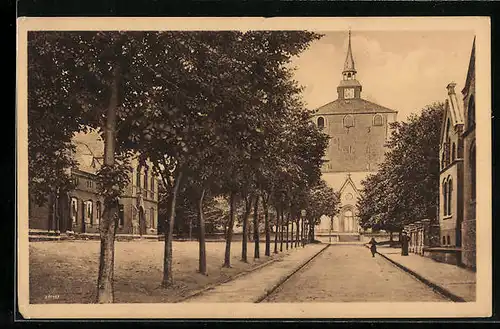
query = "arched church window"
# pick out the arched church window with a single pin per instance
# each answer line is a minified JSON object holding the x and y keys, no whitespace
{"x":445,"y":199}
{"x":348,"y":121}
{"x":377,"y":120}
{"x":471,"y":113}
{"x":450,"y":187}
{"x":453,"y":152}
{"x":321,"y":122}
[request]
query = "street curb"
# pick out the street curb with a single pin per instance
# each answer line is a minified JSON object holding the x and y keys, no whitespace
{"x":288,"y":276}
{"x":212,"y":286}
{"x":445,"y":292}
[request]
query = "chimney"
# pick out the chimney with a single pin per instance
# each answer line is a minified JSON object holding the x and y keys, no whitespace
{"x":451,"y":88}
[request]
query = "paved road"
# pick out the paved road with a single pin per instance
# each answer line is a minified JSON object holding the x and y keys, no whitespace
{"x":348,"y":273}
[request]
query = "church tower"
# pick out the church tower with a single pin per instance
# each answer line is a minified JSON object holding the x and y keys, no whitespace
{"x":358,"y":131}
{"x":349,"y":87}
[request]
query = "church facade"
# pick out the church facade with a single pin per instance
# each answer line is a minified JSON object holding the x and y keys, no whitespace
{"x":358,"y":130}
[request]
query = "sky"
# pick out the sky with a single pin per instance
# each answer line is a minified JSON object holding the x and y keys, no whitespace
{"x":401,"y":70}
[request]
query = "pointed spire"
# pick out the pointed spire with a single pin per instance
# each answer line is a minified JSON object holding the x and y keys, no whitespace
{"x":349,"y":60}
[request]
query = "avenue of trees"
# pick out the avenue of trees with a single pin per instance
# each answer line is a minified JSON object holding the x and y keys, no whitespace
{"x":406,"y":187}
{"x":218,"y":114}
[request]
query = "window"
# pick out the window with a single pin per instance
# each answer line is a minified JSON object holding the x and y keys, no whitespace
{"x":152,"y":184}
{"x":321,"y":122}
{"x":450,"y":187}
{"x":444,"y":240}
{"x":448,"y":240}
{"x":138,"y":176}
{"x":98,"y":212}
{"x":445,"y":199}
{"x":88,"y":212}
{"x":348,"y":121}
{"x":145,"y":178}
{"x":443,"y":162}
{"x":453,"y":151}
{"x":152,"y":218}
{"x":74,"y":209}
{"x":471,"y":113}
{"x":377,"y":120}
{"x":472,"y":157}
{"x":121,"y":218}
{"x":348,"y":220}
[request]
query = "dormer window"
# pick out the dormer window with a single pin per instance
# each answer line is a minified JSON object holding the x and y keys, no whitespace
{"x":348,"y":121}
{"x":377,"y":120}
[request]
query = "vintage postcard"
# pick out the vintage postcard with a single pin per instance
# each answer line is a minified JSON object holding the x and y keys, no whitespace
{"x":254,"y":167}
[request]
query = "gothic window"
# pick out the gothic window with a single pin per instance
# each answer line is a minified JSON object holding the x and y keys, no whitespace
{"x":74,"y":209}
{"x":152,"y":217}
{"x":138,"y":177}
{"x":348,"y":121}
{"x":146,"y":178}
{"x":152,"y":184}
{"x":450,"y":187}
{"x":471,"y":113}
{"x":472,"y":157}
{"x":321,"y":122}
{"x":445,"y":199}
{"x":377,"y":120}
{"x":453,"y":151}
{"x":448,"y":242}
{"x":444,"y":240}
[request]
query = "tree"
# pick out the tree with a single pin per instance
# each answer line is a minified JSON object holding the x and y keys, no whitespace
{"x":405,"y":188}
{"x":321,"y":200}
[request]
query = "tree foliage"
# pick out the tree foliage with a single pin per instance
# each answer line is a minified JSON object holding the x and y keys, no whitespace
{"x":406,"y":187}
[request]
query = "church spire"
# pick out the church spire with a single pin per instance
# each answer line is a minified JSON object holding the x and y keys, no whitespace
{"x":349,"y":60}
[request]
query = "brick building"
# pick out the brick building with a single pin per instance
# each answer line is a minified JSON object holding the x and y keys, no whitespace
{"x":81,"y":209}
{"x":457,"y":202}
{"x":358,"y":131}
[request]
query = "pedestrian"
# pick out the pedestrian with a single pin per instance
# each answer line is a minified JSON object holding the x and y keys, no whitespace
{"x":404,"y":244}
{"x":373,"y":246}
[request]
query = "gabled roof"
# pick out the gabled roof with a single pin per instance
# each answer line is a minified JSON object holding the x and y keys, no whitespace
{"x":353,"y":105}
{"x":339,"y":180}
{"x":453,"y":110}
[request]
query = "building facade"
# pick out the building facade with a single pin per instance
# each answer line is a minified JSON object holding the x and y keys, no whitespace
{"x":358,"y":131}
{"x":469,"y":142}
{"x":80,"y":210}
{"x":451,"y":172}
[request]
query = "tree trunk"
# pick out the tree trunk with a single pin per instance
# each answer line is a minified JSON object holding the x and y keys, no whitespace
{"x":297,"y":239}
{"x":105,"y":293}
{"x":276,"y":231}
{"x":256,"y":232}
{"x":266,"y":226}
{"x":168,"y":279}
{"x":190,"y":228}
{"x":203,"y":254}
{"x":244,"y":240}
{"x":281,"y":229}
{"x":390,"y":236}
{"x":292,"y":237}
{"x":302,"y":233}
{"x":229,"y":231}
{"x":287,"y":231}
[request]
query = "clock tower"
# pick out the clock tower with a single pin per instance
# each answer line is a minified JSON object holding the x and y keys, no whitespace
{"x":349,"y":87}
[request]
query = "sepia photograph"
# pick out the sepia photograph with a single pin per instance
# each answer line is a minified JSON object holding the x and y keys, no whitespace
{"x":257,"y":168}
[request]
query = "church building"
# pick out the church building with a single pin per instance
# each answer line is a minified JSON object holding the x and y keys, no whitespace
{"x":358,"y":131}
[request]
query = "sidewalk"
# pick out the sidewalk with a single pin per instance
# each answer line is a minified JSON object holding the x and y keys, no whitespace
{"x":255,"y":286}
{"x":457,"y":283}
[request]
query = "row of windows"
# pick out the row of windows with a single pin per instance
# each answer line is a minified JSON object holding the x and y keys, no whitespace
{"x":146,"y":179}
{"x":446,"y":240}
{"x":348,"y":121}
{"x":88,"y":215}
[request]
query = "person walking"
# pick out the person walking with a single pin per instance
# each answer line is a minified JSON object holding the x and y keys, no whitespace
{"x":373,"y":246}
{"x":405,"y":239}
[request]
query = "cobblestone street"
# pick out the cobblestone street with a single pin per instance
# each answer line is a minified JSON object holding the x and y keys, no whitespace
{"x":348,"y":273}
